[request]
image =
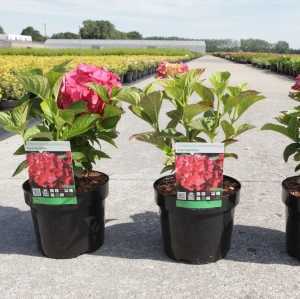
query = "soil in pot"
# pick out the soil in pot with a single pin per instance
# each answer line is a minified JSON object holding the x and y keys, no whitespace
{"x":196,"y":236}
{"x":291,"y":199}
{"x":68,"y":231}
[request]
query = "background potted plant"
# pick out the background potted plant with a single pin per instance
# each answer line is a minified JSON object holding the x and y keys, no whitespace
{"x":288,"y":124}
{"x":79,"y":107}
{"x":197,"y":114}
{"x":10,"y":91}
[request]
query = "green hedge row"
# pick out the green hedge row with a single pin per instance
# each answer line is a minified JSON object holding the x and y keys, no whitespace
{"x":98,"y":52}
{"x":282,"y":64}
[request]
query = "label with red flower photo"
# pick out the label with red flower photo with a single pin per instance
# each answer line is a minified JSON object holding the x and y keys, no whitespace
{"x":51,"y":173}
{"x":199,"y":175}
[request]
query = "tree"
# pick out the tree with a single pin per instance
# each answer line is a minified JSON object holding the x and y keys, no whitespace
{"x":281,"y":47}
{"x":215,"y":45}
{"x":255,"y":45}
{"x":1,"y":30}
{"x":134,"y":35}
{"x":35,"y":34}
{"x":98,"y":30}
{"x":65,"y":35}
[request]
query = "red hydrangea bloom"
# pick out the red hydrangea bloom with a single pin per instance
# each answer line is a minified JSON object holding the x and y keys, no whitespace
{"x":166,"y":69}
{"x":75,"y":87}
{"x":297,"y":84}
{"x":199,"y":172}
{"x":48,"y":170}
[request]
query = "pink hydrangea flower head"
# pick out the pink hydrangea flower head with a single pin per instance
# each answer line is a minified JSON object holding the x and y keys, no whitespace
{"x":75,"y":87}
{"x":296,"y":86}
{"x":166,"y":69}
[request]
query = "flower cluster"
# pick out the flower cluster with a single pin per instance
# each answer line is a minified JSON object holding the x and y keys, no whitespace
{"x":75,"y":87}
{"x":48,"y":170}
{"x":199,"y":172}
{"x":296,"y":86}
{"x":166,"y":69}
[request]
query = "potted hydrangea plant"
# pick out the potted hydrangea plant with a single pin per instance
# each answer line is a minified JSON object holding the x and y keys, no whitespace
{"x":79,"y":107}
{"x":288,"y":124}
{"x":197,"y":114}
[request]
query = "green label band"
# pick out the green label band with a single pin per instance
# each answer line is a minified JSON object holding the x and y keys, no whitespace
{"x":199,"y":204}
{"x":54,"y":201}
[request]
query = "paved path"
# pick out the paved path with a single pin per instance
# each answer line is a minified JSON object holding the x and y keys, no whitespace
{"x":132,"y":263}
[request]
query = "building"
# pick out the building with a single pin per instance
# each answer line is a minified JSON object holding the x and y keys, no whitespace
{"x":18,"y":41}
{"x":197,"y":46}
{"x":15,"y":37}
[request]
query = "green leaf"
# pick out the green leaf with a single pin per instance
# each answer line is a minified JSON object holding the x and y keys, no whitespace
{"x":20,"y":151}
{"x":231,"y":155}
{"x":101,"y":91}
{"x":297,"y":168}
{"x":229,"y":103}
{"x":228,"y":129}
{"x":78,"y":156}
{"x":244,"y":128}
{"x":35,"y":84}
{"x":20,"y":168}
{"x":176,"y":116}
{"x":193,"y":110}
{"x":152,"y":138}
{"x":279,"y":129}
{"x":7,"y":123}
{"x":246,"y":100}
{"x":48,"y":111}
{"x":129,"y":95}
{"x":38,"y":132}
{"x":151,"y":105}
{"x":167,"y":168}
{"x":111,"y":116}
{"x":293,"y":127}
{"x":15,"y":120}
{"x":229,"y":141}
{"x":67,"y":116}
{"x":102,"y":155}
{"x":81,"y":125}
{"x":219,"y":81}
{"x":290,"y":150}
{"x":78,"y":107}
{"x":204,"y":92}
{"x":297,"y":157}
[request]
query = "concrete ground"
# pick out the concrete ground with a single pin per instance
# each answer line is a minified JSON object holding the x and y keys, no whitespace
{"x":132,"y":263}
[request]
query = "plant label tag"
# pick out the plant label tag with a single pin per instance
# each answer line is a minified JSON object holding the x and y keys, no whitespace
{"x":199,"y":175}
{"x":51,"y":174}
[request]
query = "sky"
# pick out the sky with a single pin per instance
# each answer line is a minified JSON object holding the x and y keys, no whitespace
{"x":271,"y":20}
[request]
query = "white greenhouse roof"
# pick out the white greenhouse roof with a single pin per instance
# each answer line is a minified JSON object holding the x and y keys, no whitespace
{"x":198,"y":46}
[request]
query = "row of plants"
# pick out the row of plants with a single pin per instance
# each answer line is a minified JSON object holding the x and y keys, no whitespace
{"x":100,"y":52}
{"x":130,"y":68}
{"x":84,"y":107}
{"x":282,"y":64}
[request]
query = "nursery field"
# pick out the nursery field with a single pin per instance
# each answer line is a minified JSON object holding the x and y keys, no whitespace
{"x":132,"y":262}
{"x":129,"y":64}
{"x":282,"y":64}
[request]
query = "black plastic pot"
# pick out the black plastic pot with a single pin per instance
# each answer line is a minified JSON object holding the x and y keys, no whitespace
{"x":134,"y":75}
{"x":128,"y":77}
{"x":68,"y":231}
{"x":140,"y":74}
{"x":8,"y":104}
{"x":196,"y":236}
{"x":122,"y":78}
{"x":292,"y":204}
